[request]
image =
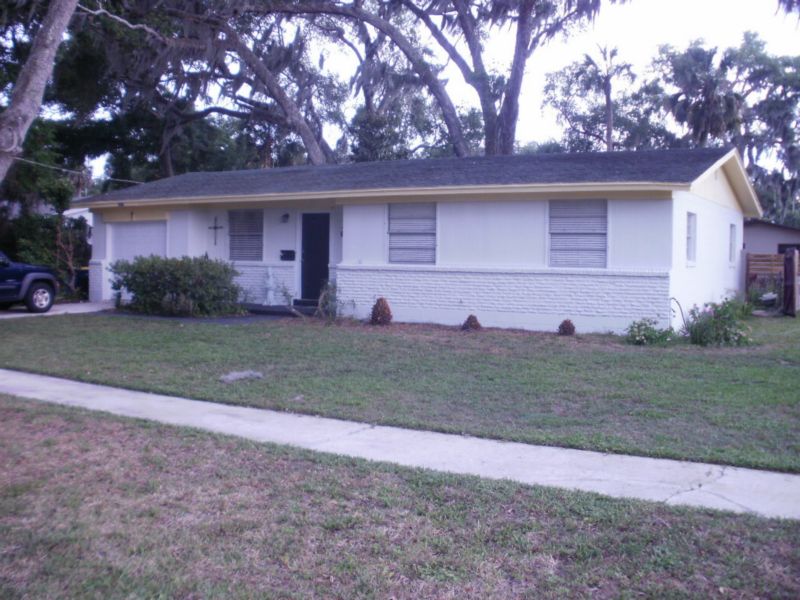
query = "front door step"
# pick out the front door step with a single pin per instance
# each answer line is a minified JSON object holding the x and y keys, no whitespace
{"x":305,"y":302}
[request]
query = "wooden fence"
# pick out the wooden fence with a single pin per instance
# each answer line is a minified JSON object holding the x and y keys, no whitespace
{"x":776,"y":272}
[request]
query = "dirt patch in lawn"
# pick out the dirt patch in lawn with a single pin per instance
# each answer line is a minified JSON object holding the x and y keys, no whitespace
{"x":102,"y":507}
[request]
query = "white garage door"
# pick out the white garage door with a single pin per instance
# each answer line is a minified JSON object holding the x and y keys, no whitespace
{"x":143,"y":238}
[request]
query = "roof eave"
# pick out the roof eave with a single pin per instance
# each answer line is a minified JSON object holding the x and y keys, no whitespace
{"x":348,"y":196}
{"x":732,"y":165}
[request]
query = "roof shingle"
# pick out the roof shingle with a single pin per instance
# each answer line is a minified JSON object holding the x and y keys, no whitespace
{"x":657,"y":166}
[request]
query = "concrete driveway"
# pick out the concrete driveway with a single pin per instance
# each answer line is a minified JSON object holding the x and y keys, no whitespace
{"x":19,"y":311}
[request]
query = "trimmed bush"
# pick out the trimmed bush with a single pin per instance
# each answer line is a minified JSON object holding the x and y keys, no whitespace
{"x":471,"y":324}
{"x":566,"y":327}
{"x":381,"y":313}
{"x":645,"y":333}
{"x":195,"y":287}
{"x":718,"y":324}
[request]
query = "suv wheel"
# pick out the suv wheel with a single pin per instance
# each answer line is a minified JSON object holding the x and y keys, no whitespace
{"x":40,"y":297}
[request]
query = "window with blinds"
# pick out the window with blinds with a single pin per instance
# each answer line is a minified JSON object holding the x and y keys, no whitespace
{"x":578,"y":233}
{"x":246,"y":230}
{"x":412,"y":233}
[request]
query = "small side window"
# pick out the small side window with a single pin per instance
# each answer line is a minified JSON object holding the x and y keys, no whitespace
{"x":732,"y":244}
{"x":691,"y":237}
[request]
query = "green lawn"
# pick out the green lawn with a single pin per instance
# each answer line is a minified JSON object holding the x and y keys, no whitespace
{"x":733,"y":406}
{"x":94,"y":506}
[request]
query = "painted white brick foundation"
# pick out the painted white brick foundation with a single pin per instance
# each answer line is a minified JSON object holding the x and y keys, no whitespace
{"x":265,"y":284}
{"x":596,"y":301}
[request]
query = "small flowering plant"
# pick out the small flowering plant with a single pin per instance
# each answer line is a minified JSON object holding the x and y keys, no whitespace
{"x":645,"y":333}
{"x":718,"y":324}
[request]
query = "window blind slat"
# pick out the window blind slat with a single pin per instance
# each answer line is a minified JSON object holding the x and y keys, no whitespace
{"x":412,"y":233}
{"x":246,"y":231}
{"x":397,"y":225}
{"x":578,"y":233}
{"x":593,"y":259}
{"x":412,"y":255}
{"x":578,"y":242}
{"x":413,"y":241}
{"x":578,"y":225}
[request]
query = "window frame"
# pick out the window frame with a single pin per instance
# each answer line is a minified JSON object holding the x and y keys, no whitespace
{"x":232,"y":235}
{"x":434,"y":234}
{"x":732,"y":242}
{"x":550,"y":234}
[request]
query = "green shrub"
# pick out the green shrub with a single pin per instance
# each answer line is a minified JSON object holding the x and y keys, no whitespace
{"x":718,"y":324}
{"x":177,"y":286}
{"x":645,"y":333}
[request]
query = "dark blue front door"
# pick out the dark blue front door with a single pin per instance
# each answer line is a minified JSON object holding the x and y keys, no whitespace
{"x":315,"y":244}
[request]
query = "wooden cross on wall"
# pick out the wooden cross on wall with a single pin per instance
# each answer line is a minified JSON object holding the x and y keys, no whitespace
{"x":215,"y":228}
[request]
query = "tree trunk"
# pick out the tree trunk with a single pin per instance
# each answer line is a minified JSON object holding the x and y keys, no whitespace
{"x":509,"y":112}
{"x":26,"y":97}
{"x":294,"y":117}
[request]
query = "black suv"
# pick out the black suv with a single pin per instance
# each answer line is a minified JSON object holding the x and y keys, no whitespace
{"x":35,"y":286}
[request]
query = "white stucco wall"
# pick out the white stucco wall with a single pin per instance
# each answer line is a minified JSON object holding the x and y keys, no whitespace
{"x":492,"y":233}
{"x":639,"y":234}
{"x":713,"y":276}
{"x":336,"y":239}
{"x":364,"y":240}
{"x":492,"y":260}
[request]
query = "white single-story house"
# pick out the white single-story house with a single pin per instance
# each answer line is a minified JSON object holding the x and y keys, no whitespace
{"x":763,"y":237}
{"x":520,"y":241}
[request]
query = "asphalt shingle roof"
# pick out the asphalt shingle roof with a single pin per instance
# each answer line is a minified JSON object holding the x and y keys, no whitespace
{"x":657,"y":166}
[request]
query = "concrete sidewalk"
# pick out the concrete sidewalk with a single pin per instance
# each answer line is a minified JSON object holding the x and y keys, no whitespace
{"x":18,"y":311}
{"x":674,"y":482}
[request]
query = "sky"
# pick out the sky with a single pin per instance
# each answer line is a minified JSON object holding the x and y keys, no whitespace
{"x":638,"y":28}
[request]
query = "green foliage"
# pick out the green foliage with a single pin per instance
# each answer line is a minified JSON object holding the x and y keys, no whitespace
{"x":381,"y":313}
{"x":645,"y":333}
{"x":378,"y":136}
{"x":583,"y":94}
{"x":34,"y":239}
{"x":197,"y":287}
{"x":719,"y":324}
{"x":702,"y":97}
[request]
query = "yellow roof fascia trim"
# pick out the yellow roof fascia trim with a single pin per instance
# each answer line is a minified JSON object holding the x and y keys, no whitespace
{"x":733,"y":167}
